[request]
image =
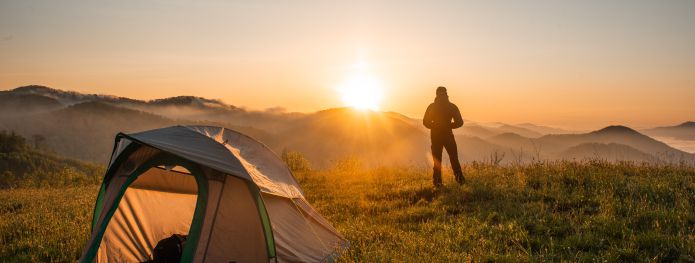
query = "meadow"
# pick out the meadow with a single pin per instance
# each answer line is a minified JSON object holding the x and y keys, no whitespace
{"x":546,"y":211}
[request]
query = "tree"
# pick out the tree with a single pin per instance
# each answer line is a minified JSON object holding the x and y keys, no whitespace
{"x":11,"y":142}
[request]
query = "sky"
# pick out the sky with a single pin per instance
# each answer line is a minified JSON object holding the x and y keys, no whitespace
{"x":574,"y":64}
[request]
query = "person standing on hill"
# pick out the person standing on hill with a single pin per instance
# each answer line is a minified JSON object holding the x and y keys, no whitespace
{"x":441,"y":118}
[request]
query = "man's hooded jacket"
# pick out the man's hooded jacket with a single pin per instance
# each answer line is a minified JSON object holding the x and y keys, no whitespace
{"x":439,"y":115}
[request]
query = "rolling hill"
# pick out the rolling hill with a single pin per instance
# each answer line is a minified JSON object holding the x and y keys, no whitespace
{"x":620,"y":135}
{"x":487,"y":131}
{"x":506,"y":128}
{"x":176,"y":108}
{"x":21,"y":104}
{"x":476,"y":130}
{"x":335,"y":133}
{"x":84,"y":130}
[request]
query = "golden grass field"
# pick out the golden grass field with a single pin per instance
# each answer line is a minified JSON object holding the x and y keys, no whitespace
{"x":559,"y":211}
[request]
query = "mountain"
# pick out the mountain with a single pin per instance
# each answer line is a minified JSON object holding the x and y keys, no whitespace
{"x":484,"y":131}
{"x":620,"y":135}
{"x":545,"y":130}
{"x":506,"y":128}
{"x":476,"y":130}
{"x":175,"y":108}
{"x":20,"y":104}
{"x":411,"y":121}
{"x":512,"y":140}
{"x":190,"y":101}
{"x":683,"y":131}
{"x":377,"y":138}
{"x":83,"y":126}
{"x":476,"y":149}
{"x":69,"y":97}
{"x":525,"y":149}
{"x":85,"y":130}
{"x":606,"y":151}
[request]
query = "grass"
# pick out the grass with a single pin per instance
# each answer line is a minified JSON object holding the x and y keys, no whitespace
{"x":562,"y":211}
{"x":45,"y":225}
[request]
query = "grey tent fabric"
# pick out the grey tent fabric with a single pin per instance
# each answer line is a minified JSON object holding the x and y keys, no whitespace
{"x":186,"y":143}
{"x":264,"y":167}
{"x":301,"y":224}
{"x":255,"y":211}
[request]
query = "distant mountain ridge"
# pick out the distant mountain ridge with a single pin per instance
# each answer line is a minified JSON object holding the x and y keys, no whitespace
{"x":614,"y":129}
{"x":620,"y":135}
{"x":83,"y":126}
{"x":176,"y":108}
{"x":544,"y":129}
{"x":27,"y":103}
{"x":68,"y":97}
{"x":72,"y":97}
{"x":687,"y":124}
{"x":683,"y":131}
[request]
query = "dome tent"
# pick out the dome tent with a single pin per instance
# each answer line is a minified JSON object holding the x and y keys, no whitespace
{"x":234,"y":199}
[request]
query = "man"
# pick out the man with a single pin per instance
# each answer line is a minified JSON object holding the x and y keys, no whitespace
{"x":441,"y":117}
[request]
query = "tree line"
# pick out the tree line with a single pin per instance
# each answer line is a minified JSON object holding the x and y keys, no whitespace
{"x":23,"y":164}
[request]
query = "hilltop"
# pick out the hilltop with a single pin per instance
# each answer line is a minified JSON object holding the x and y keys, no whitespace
{"x":550,"y":211}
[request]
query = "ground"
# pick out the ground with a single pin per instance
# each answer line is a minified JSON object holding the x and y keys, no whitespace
{"x":590,"y":211}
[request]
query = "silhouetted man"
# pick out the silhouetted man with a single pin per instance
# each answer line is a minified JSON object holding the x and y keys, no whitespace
{"x":441,"y":117}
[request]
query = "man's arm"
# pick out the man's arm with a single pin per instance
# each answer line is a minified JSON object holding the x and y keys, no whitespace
{"x":427,"y":120}
{"x":458,"y":121}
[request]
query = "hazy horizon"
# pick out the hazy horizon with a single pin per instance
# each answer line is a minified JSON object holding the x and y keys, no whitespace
{"x":687,"y":145}
{"x":575,"y":65}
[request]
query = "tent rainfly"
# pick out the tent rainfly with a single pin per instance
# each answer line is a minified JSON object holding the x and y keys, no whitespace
{"x":233,"y":199}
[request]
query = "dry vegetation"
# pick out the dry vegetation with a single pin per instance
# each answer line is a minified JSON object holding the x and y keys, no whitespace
{"x":590,"y":211}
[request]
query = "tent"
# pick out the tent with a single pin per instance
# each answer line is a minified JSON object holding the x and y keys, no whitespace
{"x":234,"y":199}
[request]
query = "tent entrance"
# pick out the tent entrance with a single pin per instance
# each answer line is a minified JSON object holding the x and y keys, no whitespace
{"x":165,"y":196}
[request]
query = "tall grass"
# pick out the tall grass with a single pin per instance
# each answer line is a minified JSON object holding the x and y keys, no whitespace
{"x":574,"y":211}
{"x":45,"y":225}
{"x":559,"y":211}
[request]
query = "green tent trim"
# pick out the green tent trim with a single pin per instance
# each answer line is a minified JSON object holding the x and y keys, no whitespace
{"x":201,"y":202}
{"x":160,"y":159}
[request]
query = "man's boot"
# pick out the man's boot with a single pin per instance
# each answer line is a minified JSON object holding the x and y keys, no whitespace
{"x":437,"y":179}
{"x":459,"y":177}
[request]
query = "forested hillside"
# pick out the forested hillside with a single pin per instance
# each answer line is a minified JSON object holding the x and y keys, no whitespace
{"x":23,"y":165}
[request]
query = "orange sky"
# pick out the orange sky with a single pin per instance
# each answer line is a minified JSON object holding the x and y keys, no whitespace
{"x":581,"y":65}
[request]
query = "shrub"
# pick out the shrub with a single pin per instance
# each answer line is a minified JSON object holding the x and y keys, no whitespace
{"x":295,"y":161}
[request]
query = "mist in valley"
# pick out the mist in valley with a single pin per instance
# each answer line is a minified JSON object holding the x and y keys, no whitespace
{"x":83,"y":126}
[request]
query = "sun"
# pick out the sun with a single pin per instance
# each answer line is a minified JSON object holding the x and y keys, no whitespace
{"x":362,"y":91}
